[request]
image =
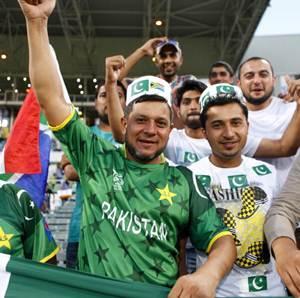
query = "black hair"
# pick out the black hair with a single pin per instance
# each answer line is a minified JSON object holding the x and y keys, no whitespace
{"x":221,"y":63}
{"x":101,"y":82}
{"x":188,"y":85}
{"x":222,"y":100}
{"x":144,"y":98}
{"x":254,"y":58}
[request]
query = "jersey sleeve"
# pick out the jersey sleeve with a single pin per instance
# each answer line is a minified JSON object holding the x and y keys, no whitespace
{"x":205,"y":224}
{"x":38,"y":242}
{"x":80,"y":143}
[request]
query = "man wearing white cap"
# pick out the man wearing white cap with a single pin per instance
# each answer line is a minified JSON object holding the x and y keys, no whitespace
{"x":242,"y":189}
{"x":136,"y":206}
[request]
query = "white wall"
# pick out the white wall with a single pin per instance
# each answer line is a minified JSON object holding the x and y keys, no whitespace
{"x":282,"y":50}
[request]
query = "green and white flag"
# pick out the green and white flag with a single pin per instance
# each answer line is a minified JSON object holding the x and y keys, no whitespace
{"x":24,"y":278}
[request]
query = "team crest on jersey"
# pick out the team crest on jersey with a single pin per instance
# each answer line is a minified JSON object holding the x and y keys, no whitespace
{"x":237,"y":181}
{"x":262,"y":170}
{"x":5,"y":239}
{"x":118,"y":181}
{"x":190,"y":157}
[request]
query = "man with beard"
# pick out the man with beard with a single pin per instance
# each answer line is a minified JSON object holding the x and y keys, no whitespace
{"x":135,"y":205}
{"x":269,"y":116}
{"x":102,"y":130}
{"x":187,"y":145}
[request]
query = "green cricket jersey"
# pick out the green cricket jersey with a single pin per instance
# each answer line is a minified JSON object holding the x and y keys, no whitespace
{"x":134,"y":214}
{"x":23,"y":231}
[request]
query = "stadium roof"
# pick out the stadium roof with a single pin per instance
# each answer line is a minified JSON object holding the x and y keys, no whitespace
{"x":230,"y":23}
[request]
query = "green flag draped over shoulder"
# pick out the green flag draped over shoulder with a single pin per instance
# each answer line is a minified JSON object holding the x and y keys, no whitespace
{"x":21,"y":277}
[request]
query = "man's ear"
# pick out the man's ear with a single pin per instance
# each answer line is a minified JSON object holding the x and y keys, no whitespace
{"x":124,"y":123}
{"x":204,"y":132}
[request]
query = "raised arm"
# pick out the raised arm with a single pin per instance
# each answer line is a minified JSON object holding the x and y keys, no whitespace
{"x":113,"y":66}
{"x":204,"y":281}
{"x":289,"y":143}
{"x":43,"y":70}
{"x":147,"y":49}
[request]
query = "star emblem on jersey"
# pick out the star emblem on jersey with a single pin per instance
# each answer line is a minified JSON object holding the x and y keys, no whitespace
{"x":237,"y":181}
{"x":4,"y":239}
{"x":166,"y":194}
{"x":261,"y":170}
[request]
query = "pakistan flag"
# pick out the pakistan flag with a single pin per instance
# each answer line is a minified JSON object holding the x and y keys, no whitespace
{"x":24,"y":278}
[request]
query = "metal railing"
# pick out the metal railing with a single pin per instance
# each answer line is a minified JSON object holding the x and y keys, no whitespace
{"x":11,"y":98}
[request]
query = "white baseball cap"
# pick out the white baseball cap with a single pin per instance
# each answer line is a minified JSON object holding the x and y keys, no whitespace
{"x":223,"y":90}
{"x":148,"y":87}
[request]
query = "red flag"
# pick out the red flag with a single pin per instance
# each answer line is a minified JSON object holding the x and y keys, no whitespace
{"x":21,"y":152}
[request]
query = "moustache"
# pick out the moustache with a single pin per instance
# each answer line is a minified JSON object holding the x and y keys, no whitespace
{"x":194,"y":114}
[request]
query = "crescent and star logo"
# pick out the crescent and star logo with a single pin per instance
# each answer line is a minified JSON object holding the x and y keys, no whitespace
{"x":138,"y":87}
{"x":237,"y":181}
{"x":262,"y":170}
{"x":257,"y":283}
{"x":225,"y":89}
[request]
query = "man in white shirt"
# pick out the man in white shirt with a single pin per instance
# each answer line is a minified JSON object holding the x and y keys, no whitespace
{"x":269,"y":116}
{"x":242,"y":189}
{"x":187,"y":145}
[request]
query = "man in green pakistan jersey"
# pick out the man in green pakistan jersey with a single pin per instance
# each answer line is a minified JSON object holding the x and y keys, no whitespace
{"x":136,"y":206}
{"x":23,"y":231}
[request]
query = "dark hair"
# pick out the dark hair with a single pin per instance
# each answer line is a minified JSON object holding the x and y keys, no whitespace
{"x":188,"y":85}
{"x":101,"y":82}
{"x":144,"y":98}
{"x":255,"y":58}
{"x":221,"y":63}
{"x":221,"y":101}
